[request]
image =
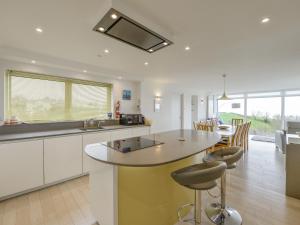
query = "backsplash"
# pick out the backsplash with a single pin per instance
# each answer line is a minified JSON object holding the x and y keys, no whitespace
{"x":49,"y":126}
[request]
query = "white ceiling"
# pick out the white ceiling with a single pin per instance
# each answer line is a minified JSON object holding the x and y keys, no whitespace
{"x":224,"y":36}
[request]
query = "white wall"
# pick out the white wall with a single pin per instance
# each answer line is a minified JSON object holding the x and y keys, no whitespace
{"x":118,"y":85}
{"x":169,"y":117}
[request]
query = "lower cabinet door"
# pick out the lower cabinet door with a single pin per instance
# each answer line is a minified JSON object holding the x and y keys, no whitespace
{"x":62,"y":158}
{"x":92,"y":138}
{"x":21,"y":166}
{"x":140,"y":131}
{"x":121,"y":134}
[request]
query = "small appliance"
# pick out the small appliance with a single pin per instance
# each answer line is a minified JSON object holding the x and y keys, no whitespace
{"x":132,"y":119}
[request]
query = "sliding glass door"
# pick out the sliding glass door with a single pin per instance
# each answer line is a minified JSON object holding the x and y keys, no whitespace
{"x":264,"y":114}
{"x":267,"y":111}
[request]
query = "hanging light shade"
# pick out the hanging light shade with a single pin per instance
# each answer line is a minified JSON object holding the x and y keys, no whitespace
{"x":224,"y":96}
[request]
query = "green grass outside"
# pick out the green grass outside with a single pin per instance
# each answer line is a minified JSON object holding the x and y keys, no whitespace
{"x":259,"y":125}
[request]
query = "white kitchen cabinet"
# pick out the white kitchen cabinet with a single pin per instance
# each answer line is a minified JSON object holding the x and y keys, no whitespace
{"x":62,"y":158}
{"x":92,"y":138}
{"x":140,"y":131}
{"x":121,"y":134}
{"x":21,"y":166}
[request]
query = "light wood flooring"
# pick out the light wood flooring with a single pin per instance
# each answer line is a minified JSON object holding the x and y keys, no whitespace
{"x":255,"y":189}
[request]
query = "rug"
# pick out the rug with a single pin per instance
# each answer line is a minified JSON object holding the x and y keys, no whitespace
{"x":263,"y":138}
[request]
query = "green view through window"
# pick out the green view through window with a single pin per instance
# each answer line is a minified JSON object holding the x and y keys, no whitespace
{"x":36,"y":97}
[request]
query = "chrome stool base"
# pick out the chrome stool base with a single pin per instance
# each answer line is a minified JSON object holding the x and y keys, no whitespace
{"x":227,"y":216}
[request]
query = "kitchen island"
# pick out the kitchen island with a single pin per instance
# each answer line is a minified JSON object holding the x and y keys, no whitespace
{"x":134,"y":187}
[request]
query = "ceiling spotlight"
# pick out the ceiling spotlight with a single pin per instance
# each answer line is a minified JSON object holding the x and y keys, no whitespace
{"x":165,"y":43}
{"x":106,"y":51}
{"x":33,"y":61}
{"x":113,"y":16}
{"x":265,"y":20}
{"x":151,"y":50}
{"x":146,"y":63}
{"x":187,"y":48}
{"x":101,"y":29}
{"x":39,"y":30}
{"x":85,"y":71}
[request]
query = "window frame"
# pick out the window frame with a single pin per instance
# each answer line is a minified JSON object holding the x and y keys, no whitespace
{"x":68,"y":89}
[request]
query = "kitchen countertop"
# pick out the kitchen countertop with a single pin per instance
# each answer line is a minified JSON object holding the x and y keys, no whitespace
{"x":171,"y":150}
{"x":53,"y":133}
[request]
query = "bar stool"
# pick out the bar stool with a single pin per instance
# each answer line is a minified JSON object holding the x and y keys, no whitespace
{"x":221,"y":214}
{"x":198,"y":177}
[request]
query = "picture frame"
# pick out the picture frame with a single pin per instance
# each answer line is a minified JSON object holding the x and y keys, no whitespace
{"x":126,"y":95}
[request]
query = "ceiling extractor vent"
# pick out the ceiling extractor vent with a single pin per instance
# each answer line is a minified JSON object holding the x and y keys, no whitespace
{"x":116,"y":25}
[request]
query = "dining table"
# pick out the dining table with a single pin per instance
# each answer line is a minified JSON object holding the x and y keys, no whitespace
{"x":228,"y":132}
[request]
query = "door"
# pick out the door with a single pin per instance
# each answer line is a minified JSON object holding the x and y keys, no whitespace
{"x":62,"y":158}
{"x":21,"y":166}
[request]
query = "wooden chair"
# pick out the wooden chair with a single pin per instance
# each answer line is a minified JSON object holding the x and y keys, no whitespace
{"x":205,"y":127}
{"x":235,"y":140}
{"x":195,"y":124}
{"x":235,"y":121}
{"x":246,"y":138}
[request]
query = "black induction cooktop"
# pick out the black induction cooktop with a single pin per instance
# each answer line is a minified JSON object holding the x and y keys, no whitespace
{"x":131,"y":144}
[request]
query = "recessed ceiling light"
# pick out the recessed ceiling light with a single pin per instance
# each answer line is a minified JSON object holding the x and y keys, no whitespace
{"x":120,"y":77}
{"x":146,"y":63}
{"x":85,"y":71}
{"x":106,"y":51}
{"x":165,"y":43}
{"x":39,"y":30}
{"x":151,"y":50}
{"x":33,"y":61}
{"x":101,"y":29}
{"x":265,"y":20}
{"x":187,"y":48}
{"x":113,"y":16}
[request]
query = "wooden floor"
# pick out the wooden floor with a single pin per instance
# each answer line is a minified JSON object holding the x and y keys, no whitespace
{"x":255,"y":189}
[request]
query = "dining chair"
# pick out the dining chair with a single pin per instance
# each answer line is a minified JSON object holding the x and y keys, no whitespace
{"x":236,"y":121}
{"x":234,"y":141}
{"x":205,"y":127}
{"x":195,"y":124}
{"x":246,"y":140}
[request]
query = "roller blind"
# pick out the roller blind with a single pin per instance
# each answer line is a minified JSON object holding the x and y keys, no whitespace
{"x":36,"y":97}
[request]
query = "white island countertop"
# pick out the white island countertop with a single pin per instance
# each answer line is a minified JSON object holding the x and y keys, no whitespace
{"x":171,"y":150}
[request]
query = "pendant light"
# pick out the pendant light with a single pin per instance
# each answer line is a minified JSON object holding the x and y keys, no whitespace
{"x":224,"y":96}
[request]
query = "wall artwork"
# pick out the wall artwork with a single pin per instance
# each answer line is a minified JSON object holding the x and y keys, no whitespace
{"x":126,"y":95}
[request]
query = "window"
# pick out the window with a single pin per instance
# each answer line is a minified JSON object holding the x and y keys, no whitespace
{"x":297,"y":92}
{"x":264,"y":94}
{"x":229,"y":109}
{"x":36,"y":97}
{"x":292,"y":111}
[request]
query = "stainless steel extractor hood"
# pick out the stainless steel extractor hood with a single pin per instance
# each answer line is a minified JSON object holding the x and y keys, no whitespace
{"x":116,"y":25}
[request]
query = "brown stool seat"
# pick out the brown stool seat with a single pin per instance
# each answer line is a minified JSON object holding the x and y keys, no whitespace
{"x":229,"y":155}
{"x":200,"y":176}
